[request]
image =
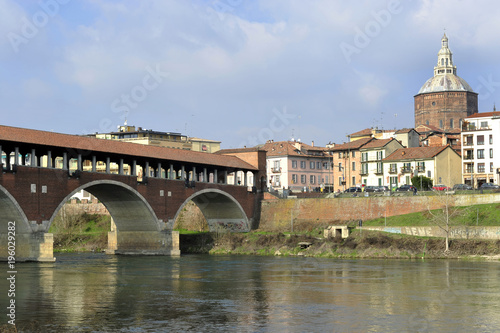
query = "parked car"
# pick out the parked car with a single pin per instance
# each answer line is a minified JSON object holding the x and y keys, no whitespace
{"x":440,"y":187}
{"x":353,"y":189}
{"x":382,"y":189}
{"x":462,"y":187}
{"x":489,"y":186}
{"x":405,"y":188}
{"x":370,"y":188}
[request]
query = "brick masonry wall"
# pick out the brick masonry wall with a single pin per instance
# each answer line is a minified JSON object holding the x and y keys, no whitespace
{"x":277,"y":215}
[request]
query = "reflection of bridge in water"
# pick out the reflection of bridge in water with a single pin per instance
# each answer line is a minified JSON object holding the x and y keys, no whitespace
{"x":43,"y":170}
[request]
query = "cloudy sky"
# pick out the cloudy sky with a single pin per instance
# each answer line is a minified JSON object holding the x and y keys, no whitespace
{"x":238,"y":71}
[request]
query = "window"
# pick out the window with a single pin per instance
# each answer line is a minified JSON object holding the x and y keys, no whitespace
{"x":379,"y":167}
{"x":340,"y":181}
{"x":302,"y":164}
{"x":353,"y":180}
{"x":353,"y":166}
{"x":364,"y":168}
{"x":380,"y":182}
{"x":326,"y":165}
{"x":440,"y":123}
{"x":311,"y":165}
{"x":480,"y":153}
{"x":340,"y":166}
{"x":491,"y":139}
{"x":364,"y":157}
{"x":277,"y":165}
{"x":380,"y":155}
{"x":303,"y":179}
{"x":295,"y":178}
{"x":480,"y":139}
{"x":318,"y":165}
{"x":312,"y":179}
{"x":394,"y":181}
{"x":340,"y":154}
{"x":491,"y":166}
{"x":393,"y":168}
{"x":491,"y":152}
{"x":427,"y":122}
{"x":294,"y":164}
{"x":484,"y":124}
{"x":451,"y":123}
{"x":480,"y":167}
{"x":407,"y":179}
{"x":429,"y":173}
{"x":353,"y":153}
{"x":327,"y":179}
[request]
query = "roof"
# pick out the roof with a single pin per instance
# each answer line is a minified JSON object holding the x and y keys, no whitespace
{"x":366,"y":131}
{"x":83,"y":143}
{"x":377,"y":143}
{"x":445,"y":82}
{"x":239,"y":150}
{"x":484,"y":114}
{"x":351,"y":145}
{"x":428,"y":128}
{"x":290,"y":148}
{"x":415,"y":153}
{"x":405,"y":130}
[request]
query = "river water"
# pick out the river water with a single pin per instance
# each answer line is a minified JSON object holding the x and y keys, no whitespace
{"x":201,"y":293}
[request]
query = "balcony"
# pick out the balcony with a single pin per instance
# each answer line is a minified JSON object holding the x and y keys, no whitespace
{"x":405,"y":169}
{"x":379,"y":171}
{"x":420,"y":168}
{"x":276,"y":170}
{"x":393,"y":170}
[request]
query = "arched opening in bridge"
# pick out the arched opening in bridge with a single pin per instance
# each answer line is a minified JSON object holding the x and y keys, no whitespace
{"x":134,"y":222}
{"x":212,"y":209}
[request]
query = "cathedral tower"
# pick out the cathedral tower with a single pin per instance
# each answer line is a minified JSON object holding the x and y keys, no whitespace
{"x":445,"y":99}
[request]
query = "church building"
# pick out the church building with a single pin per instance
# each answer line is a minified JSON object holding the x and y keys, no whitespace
{"x":445,"y":99}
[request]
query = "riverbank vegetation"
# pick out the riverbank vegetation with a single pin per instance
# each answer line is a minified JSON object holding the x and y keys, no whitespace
{"x":88,"y":232}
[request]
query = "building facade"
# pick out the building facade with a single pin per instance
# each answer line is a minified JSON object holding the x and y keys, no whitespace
{"x":441,"y":164}
{"x":445,"y":99}
{"x":297,"y":166}
{"x":480,"y":160}
{"x":372,"y":156}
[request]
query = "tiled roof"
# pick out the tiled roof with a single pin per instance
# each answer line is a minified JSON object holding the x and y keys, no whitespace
{"x":405,"y":130}
{"x":428,"y":128}
{"x":288,"y":148}
{"x":366,"y":131}
{"x":377,"y":143}
{"x":351,"y":145}
{"x":238,"y":150}
{"x":83,"y":143}
{"x":484,"y":114}
{"x":415,"y":153}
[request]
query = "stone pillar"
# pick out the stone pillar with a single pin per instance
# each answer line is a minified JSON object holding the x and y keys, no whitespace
{"x":171,"y":172}
{"x":195,"y":176}
{"x":36,"y":246}
{"x":216,"y":179}
{"x":245,"y":180}
{"x":65,"y":161}
{"x":79,"y":163}
{"x":33,"y":158}
{"x":108,"y":164}
{"x":94,"y":164}
{"x":120,"y":169}
{"x":225,"y":177}
{"x":235,"y":182}
{"x":50,"y":164}
{"x":16,"y":157}
{"x":205,"y":175}
{"x":133,"y":172}
{"x":158,"y":174}
{"x":146,"y":170}
{"x":183,"y":173}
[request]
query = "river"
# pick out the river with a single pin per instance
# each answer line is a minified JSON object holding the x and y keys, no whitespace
{"x":202,"y":293}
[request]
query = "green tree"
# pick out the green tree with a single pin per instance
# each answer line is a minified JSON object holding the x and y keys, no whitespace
{"x":421,"y":182}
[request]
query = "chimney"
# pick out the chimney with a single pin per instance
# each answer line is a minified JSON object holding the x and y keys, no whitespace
{"x":312,"y":143}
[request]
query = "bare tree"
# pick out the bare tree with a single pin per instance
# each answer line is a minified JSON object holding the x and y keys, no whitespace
{"x":446,"y":216}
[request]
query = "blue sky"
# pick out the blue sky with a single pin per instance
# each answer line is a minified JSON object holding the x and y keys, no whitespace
{"x":236,"y":71}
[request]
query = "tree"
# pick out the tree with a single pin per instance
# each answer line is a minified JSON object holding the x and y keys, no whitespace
{"x":446,"y":217}
{"x":421,"y":182}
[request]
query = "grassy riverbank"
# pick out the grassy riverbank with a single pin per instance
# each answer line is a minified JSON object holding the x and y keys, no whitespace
{"x":361,"y":244}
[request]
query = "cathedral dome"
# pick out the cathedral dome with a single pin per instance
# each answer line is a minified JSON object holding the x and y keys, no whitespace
{"x":445,"y":74}
{"x":445,"y":82}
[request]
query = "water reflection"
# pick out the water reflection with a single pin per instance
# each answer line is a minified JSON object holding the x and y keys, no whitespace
{"x":229,"y":293}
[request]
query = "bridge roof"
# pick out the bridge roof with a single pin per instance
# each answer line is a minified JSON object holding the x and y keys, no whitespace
{"x":61,"y":141}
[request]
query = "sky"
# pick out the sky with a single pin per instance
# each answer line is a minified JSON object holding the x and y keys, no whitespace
{"x":236,"y":71}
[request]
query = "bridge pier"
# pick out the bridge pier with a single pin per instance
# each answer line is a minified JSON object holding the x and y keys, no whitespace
{"x":164,"y":242}
{"x":37,"y":246}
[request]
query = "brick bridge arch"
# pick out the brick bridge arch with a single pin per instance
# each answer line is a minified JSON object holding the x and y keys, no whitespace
{"x":220,"y":209}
